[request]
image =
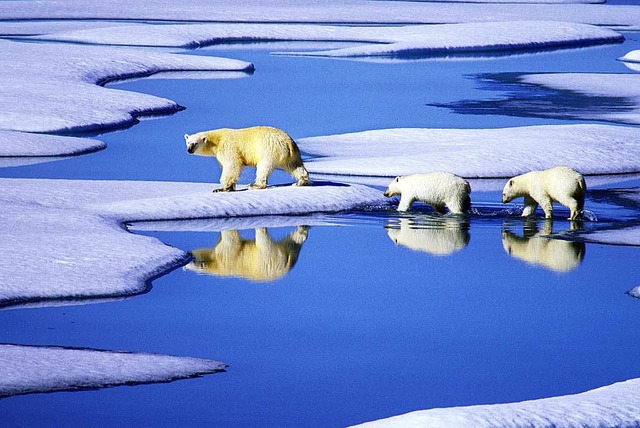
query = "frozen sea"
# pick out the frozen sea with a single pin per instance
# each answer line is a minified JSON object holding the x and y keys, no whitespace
{"x":372,"y":314}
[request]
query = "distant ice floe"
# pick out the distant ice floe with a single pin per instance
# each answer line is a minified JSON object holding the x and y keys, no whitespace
{"x":38,"y":369}
{"x":623,"y":88}
{"x":623,"y":232}
{"x":610,"y":406}
{"x":63,"y":240}
{"x":380,"y":41}
{"x":56,"y":87}
{"x":22,"y":144}
{"x":475,"y":153}
{"x":327,"y":11}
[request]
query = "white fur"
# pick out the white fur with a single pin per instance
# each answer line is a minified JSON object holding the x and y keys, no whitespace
{"x":437,"y":189}
{"x":560,"y":184}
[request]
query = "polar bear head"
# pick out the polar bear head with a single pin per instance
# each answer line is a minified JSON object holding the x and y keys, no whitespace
{"x":195,"y":142}
{"x":509,"y":192}
{"x":393,"y":189}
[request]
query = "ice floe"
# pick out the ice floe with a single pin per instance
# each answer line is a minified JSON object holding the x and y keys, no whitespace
{"x":22,"y":144}
{"x":55,"y":87}
{"x":626,"y":229}
{"x":381,"y":41}
{"x":475,"y":153}
{"x":64,"y":239}
{"x":37,"y":369}
{"x":610,"y":406}
{"x":623,"y":89}
{"x":327,"y":11}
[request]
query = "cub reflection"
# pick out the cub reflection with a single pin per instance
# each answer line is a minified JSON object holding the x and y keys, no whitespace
{"x":437,"y":236}
{"x":259,"y":259}
{"x":537,"y":249}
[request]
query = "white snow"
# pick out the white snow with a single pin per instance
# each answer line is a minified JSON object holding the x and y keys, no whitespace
{"x":327,"y":11}
{"x":18,"y":144}
{"x":482,"y":37}
{"x":33,"y":369}
{"x":476,"y":153}
{"x":626,"y":87}
{"x":385,"y":41}
{"x":610,"y":406}
{"x":63,"y":239}
{"x":54,"y":87}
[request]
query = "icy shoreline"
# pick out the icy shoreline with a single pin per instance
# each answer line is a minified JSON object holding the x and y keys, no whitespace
{"x":81,"y":221}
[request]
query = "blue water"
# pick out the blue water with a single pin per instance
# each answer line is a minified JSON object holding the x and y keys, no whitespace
{"x":361,"y":327}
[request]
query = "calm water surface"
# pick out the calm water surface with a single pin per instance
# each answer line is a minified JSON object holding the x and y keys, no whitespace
{"x":373,"y":314}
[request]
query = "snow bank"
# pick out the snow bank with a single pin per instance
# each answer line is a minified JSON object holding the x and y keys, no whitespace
{"x":63,"y":239}
{"x":381,"y":41}
{"x":33,"y":369}
{"x":482,"y":37}
{"x":476,"y":153}
{"x":610,"y":406}
{"x":327,"y":11}
{"x":55,"y":87}
{"x":18,"y":144}
{"x":623,"y":87}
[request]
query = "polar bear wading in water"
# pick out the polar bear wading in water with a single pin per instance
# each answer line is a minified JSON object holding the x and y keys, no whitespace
{"x":264,"y":147}
{"x":438,"y":189}
{"x":560,"y":184}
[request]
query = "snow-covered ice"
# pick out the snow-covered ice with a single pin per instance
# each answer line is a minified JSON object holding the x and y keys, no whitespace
{"x":381,"y":41}
{"x":475,"y":153}
{"x":23,"y":144}
{"x":327,"y":11}
{"x":36,"y":369}
{"x":55,"y":87}
{"x":610,"y":406}
{"x":482,"y":37}
{"x":624,"y":87}
{"x":64,"y":240}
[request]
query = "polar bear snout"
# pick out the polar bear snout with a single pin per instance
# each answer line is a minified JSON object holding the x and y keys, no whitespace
{"x":191,"y":147}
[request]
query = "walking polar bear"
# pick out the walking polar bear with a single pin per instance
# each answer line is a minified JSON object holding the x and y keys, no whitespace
{"x":438,"y":189}
{"x":560,"y":184}
{"x":264,"y":147}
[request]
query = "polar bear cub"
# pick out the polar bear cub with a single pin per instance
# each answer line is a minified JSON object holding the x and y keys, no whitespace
{"x":438,"y":189}
{"x":560,"y":184}
{"x":264,"y":147}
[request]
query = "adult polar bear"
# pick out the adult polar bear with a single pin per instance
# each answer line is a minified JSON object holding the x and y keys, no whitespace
{"x":560,"y":184}
{"x":264,"y":147}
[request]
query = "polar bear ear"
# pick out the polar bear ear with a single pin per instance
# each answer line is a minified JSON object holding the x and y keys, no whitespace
{"x":203,"y":139}
{"x":186,"y":137}
{"x":396,"y":180}
{"x":510,"y":183}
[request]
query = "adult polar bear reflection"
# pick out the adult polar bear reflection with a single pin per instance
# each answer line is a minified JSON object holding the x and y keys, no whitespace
{"x":260,"y":259}
{"x":440,"y":236}
{"x":535,"y":248}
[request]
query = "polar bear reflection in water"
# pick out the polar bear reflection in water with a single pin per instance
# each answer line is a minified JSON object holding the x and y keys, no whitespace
{"x":261,"y":259}
{"x":536,"y":248}
{"x":438,"y":236}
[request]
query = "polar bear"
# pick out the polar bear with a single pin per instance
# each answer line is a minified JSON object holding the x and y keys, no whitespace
{"x":536,"y":248}
{"x":260,"y":259}
{"x":438,"y":238}
{"x":560,"y":184}
{"x":264,"y":147}
{"x":438,"y":189}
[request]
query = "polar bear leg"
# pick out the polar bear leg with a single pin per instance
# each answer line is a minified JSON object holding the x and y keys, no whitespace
{"x":547,"y":207}
{"x":576,"y":210}
{"x":263,"y":169}
{"x":405,"y":203}
{"x":229,"y":177}
{"x":300,"y":173}
{"x":530,"y":206}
